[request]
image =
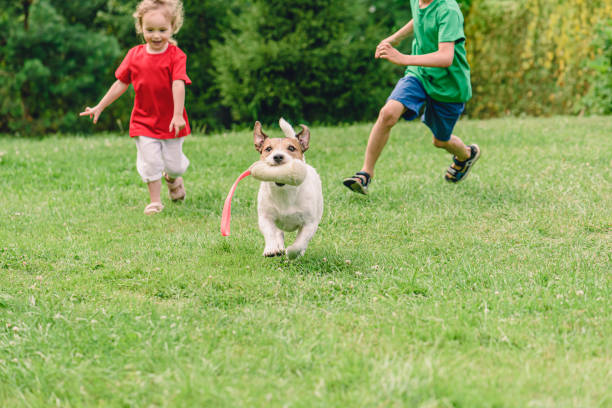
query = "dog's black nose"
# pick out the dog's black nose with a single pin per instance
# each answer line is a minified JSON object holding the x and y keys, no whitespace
{"x":278,"y":158}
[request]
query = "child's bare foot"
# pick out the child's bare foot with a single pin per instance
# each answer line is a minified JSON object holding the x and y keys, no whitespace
{"x":153,"y":208}
{"x":176,"y":188}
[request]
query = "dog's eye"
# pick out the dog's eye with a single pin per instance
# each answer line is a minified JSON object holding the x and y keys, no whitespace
{"x":269,"y":149}
{"x":291,"y":149}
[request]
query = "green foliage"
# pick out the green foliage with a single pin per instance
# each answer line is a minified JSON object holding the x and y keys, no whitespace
{"x":529,"y":57}
{"x":311,"y":61}
{"x":78,"y":12}
{"x":390,"y":15}
{"x":206,"y":21}
{"x":305,"y":60}
{"x":115,"y":19}
{"x":47,"y":67}
{"x":599,"y":98}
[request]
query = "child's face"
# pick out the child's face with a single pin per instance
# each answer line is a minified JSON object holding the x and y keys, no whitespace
{"x":156,"y":29}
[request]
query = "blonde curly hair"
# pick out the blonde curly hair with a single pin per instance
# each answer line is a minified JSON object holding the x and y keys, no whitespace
{"x":174,"y":8}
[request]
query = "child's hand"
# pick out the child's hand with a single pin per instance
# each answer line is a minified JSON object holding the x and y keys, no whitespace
{"x":379,"y":47}
{"x":92,"y":113}
{"x":177,"y":123}
{"x":386,"y":51}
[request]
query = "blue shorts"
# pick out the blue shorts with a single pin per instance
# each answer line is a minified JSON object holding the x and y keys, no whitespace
{"x":440,"y":117}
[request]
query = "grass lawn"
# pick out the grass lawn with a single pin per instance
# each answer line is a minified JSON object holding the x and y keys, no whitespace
{"x":492,"y":293}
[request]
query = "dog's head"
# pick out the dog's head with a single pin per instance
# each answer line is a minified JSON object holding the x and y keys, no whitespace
{"x":278,"y":151}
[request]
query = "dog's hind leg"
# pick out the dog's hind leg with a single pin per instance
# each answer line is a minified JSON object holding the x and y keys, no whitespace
{"x":274,"y":238}
{"x":304,"y":235}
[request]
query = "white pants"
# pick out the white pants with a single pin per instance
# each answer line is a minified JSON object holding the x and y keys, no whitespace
{"x":158,"y":155}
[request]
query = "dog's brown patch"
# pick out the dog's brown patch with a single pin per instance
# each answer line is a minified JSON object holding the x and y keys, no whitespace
{"x":293,"y":147}
{"x":287,"y":145}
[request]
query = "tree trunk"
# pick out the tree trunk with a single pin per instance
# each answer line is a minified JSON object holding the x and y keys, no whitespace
{"x":26,"y":12}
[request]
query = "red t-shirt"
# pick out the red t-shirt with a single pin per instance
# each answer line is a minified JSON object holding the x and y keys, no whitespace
{"x":151,"y":75}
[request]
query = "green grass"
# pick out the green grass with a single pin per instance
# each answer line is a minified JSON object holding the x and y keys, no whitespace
{"x":492,"y":293}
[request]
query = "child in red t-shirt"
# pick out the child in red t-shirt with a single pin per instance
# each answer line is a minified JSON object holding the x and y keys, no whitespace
{"x":157,"y":71}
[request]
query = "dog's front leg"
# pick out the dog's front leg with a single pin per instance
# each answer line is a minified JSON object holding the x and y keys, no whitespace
{"x":274,"y":237}
{"x":302,"y":239}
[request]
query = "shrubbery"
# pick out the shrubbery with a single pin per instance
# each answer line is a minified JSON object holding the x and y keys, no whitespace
{"x":46,"y":67}
{"x":599,"y":98}
{"x":309,"y":60}
{"x":531,"y":57}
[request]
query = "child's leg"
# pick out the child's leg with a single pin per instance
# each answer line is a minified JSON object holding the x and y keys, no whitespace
{"x":155,"y":191}
{"x":379,"y":135}
{"x":405,"y":101}
{"x":441,"y":118}
{"x":150,"y":165}
{"x":175,"y":163}
{"x":454,"y":146}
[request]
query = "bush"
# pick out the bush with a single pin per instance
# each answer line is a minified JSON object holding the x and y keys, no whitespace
{"x":599,"y":98}
{"x":528,"y":57}
{"x":310,"y":61}
{"x":307,"y":60}
{"x":46,"y":68}
{"x":205,"y":22}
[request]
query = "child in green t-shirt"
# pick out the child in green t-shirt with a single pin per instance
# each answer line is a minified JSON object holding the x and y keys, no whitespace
{"x":437,"y":76}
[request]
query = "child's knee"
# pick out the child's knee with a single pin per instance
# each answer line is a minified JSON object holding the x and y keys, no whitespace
{"x":149,"y":170}
{"x":440,"y":143}
{"x":387,"y":116}
{"x":176,"y":167}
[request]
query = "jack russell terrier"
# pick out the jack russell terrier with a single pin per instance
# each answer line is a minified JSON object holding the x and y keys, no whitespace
{"x":284,"y":207}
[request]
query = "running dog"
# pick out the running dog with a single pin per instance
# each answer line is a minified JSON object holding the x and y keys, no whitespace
{"x":284,"y":207}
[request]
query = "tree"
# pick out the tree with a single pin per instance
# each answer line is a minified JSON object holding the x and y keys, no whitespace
{"x":47,"y":64}
{"x":206,"y":21}
{"x":307,"y":60}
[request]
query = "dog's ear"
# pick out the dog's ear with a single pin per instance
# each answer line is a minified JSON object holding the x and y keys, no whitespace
{"x":304,"y":137}
{"x":259,"y":136}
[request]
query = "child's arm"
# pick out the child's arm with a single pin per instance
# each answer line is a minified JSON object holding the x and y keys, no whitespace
{"x":178,"y":94}
{"x":400,"y":34}
{"x":442,"y":58}
{"x":114,"y":92}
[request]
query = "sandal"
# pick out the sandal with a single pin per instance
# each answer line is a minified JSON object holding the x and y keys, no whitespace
{"x":153,"y":208}
{"x":459,"y":170}
{"x":176,"y":188}
{"x":358,"y":183}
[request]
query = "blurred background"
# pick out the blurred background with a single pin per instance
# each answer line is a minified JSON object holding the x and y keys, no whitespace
{"x":310,"y":61}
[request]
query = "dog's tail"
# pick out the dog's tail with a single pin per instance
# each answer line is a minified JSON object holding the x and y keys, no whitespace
{"x":286,"y":127}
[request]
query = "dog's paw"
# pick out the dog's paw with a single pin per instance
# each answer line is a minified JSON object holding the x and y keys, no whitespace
{"x":270,"y":252}
{"x":294,"y":252}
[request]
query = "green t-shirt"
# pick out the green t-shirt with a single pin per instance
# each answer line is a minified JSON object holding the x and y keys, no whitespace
{"x":441,"y":21}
